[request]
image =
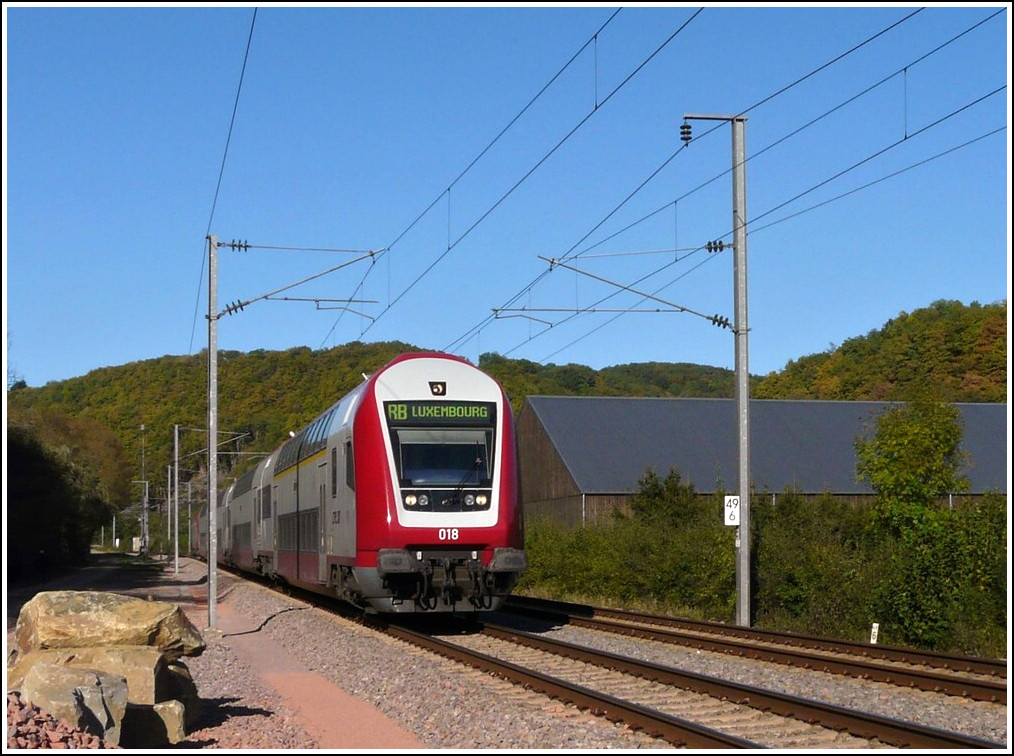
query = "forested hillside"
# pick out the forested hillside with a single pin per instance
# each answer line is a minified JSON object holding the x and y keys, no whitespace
{"x":92,"y":425}
{"x":956,"y":350}
{"x":266,"y":394}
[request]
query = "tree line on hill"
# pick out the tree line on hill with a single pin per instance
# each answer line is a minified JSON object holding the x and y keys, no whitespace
{"x":78,"y":443}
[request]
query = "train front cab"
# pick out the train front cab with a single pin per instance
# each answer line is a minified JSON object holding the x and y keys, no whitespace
{"x":439,"y":520}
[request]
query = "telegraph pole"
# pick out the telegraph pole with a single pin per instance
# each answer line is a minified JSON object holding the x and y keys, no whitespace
{"x":742,"y":332}
{"x":176,"y":498}
{"x":742,"y":365}
{"x":213,"y":316}
{"x":168,"y":510}
{"x":212,"y":431}
{"x":144,"y":500}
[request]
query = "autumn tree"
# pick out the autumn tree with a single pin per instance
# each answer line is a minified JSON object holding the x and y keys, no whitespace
{"x":912,"y":460}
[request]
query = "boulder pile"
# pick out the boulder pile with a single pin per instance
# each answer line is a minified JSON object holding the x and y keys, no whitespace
{"x":28,"y":726}
{"x":108,"y":665}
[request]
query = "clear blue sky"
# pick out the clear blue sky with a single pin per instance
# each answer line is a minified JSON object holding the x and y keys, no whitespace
{"x":465,"y":146}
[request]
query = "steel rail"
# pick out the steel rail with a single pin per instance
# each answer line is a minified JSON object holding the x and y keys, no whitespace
{"x":679,"y":732}
{"x":956,"y":662}
{"x":937,"y":682}
{"x":887,"y":730}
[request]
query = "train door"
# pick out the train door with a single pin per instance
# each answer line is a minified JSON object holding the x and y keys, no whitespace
{"x":265,"y":521}
{"x":225,"y":536}
{"x":322,"y":524}
{"x":274,"y":528}
{"x":344,"y":529}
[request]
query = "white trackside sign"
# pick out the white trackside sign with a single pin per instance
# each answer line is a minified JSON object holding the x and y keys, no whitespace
{"x":732,"y":510}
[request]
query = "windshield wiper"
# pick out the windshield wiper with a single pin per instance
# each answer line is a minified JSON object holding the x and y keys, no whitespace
{"x":464,"y":478}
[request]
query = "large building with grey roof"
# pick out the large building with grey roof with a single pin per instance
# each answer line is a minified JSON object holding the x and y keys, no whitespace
{"x":580,"y":457}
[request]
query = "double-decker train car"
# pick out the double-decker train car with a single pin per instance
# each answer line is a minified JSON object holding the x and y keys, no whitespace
{"x":402,"y":497}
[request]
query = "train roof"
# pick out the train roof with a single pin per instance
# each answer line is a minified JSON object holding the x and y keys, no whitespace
{"x":608,"y":443}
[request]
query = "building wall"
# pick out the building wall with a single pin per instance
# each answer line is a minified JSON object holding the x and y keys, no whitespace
{"x":565,"y":511}
{"x":545,"y":480}
{"x":601,"y":506}
{"x":548,"y":490}
{"x":575,"y":511}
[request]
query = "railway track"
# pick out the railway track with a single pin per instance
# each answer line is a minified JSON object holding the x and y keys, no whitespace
{"x":681,"y":708}
{"x":685,"y":709}
{"x":965,"y":676}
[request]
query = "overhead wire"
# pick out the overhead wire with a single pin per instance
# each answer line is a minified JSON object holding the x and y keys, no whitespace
{"x":506,"y":128}
{"x":527,"y":288}
{"x":595,"y":305}
{"x":754,"y":230}
{"x":541,"y":277}
{"x":796,"y":131}
{"x":532,"y":170}
{"x":362,"y":282}
{"x":880,"y":180}
{"x":753,"y":107}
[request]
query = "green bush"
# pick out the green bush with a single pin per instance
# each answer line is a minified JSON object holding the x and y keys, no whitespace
{"x":673,"y":551}
{"x":814,"y":565}
{"x":947,"y":588}
{"x":820,"y":566}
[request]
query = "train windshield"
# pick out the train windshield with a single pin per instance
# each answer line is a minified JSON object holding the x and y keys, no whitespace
{"x":443,"y":457}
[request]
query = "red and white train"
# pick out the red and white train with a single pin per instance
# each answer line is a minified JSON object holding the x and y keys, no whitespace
{"x":401,"y":497}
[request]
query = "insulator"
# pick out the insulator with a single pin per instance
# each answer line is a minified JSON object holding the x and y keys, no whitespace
{"x":685,"y":132}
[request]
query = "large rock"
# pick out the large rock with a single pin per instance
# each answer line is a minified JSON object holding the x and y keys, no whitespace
{"x":69,"y":619}
{"x":88,"y":699}
{"x":145,"y":668}
{"x":149,"y":727}
{"x":108,"y":664}
{"x":183,"y":689}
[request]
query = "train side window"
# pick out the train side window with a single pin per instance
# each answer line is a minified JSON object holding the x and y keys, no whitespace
{"x":350,"y":467}
{"x":266,"y":503}
{"x":334,"y":471}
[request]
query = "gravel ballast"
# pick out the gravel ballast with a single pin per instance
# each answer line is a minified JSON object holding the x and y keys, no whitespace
{"x":446,"y":705}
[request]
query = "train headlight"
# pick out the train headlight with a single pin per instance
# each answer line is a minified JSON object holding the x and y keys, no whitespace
{"x":481,"y":500}
{"x":469,"y":500}
{"x":410,"y":500}
{"x":424,"y":500}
